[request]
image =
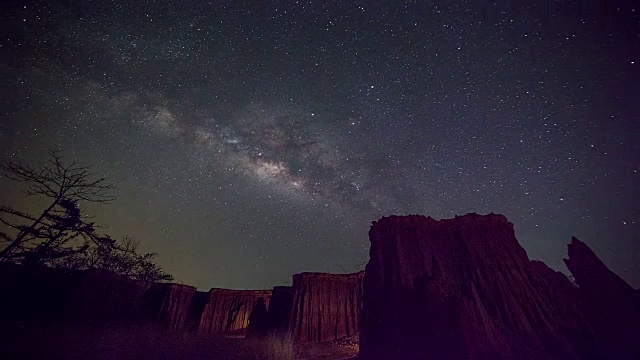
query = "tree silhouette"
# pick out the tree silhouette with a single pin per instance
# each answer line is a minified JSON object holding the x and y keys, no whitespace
{"x":60,"y":229}
{"x":122,"y":258}
{"x":61,"y":235}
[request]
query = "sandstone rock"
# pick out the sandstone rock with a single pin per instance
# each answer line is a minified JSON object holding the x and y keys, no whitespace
{"x":612,"y":305}
{"x":463,"y":288}
{"x":258,"y":322}
{"x":325,"y":306}
{"x":196,"y":309}
{"x":279,"y":311}
{"x":175,"y":305}
{"x":227,"y":311}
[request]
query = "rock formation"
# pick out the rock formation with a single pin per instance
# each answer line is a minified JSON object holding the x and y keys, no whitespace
{"x":258,"y":325}
{"x":194,"y":313}
{"x":325,"y":306}
{"x":176,"y":302}
{"x":227,"y":311}
{"x":611,"y":304}
{"x":460,"y":288}
{"x":463,"y":288}
{"x":279,"y":310}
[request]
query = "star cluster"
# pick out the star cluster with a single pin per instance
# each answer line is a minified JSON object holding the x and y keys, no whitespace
{"x":249,"y":140}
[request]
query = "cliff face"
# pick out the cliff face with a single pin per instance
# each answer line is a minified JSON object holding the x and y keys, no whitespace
{"x":279,"y":310}
{"x":325,"y":306}
{"x":463,"y":288}
{"x":194,"y":313}
{"x":227,"y":311}
{"x":611,"y":304}
{"x":175,"y":306}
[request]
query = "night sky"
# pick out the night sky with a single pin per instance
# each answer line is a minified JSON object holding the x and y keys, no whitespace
{"x":249,"y":141}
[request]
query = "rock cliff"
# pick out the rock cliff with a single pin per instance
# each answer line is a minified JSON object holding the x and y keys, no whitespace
{"x":611,"y":304}
{"x":325,"y":306}
{"x":464,"y":288}
{"x":227,"y":311}
{"x":194,"y":313}
{"x":279,"y":310}
{"x":258,"y":325}
{"x":176,"y":301}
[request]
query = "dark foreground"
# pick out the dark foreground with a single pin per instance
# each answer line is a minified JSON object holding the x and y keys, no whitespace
{"x":35,"y":341}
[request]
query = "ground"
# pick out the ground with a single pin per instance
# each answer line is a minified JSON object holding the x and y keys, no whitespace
{"x":37,"y":341}
{"x":337,"y":350}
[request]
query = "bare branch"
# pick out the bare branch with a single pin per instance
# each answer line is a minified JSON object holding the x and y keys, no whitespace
{"x":56,"y":179}
{"x":15,"y":212}
{"x":62,"y":235}
{"x":66,"y":184}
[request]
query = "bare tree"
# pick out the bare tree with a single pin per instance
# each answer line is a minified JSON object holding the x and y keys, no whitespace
{"x":60,"y":229}
{"x":61,"y":236}
{"x":123,"y":258}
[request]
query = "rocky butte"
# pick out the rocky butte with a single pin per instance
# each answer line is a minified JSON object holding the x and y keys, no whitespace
{"x":464,"y":288}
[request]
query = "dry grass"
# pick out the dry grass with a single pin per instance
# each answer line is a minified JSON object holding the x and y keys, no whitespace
{"x":131,"y":343}
{"x":20,"y":341}
{"x":274,"y":348}
{"x":327,"y":351}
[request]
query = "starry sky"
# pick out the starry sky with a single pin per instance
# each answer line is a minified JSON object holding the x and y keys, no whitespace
{"x":249,"y":141}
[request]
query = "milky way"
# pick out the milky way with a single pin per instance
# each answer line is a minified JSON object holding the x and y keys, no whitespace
{"x":281,"y":148}
{"x":252,"y":140}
